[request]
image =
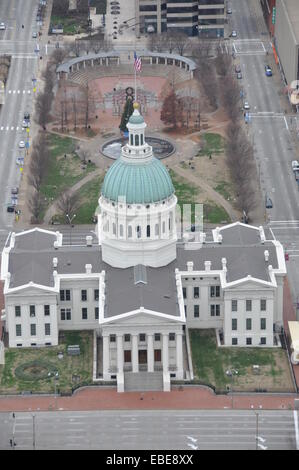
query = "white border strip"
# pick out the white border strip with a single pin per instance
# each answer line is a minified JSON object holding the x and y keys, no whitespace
{"x":295,"y":414}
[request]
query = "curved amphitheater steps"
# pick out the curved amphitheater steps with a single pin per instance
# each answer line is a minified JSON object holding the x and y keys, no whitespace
{"x":81,"y":76}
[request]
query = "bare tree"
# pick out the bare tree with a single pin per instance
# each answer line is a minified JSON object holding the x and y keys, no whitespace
{"x":84,"y":154}
{"x":74,"y":106}
{"x":39,"y":163}
{"x":181,"y":42}
{"x":68,"y":203}
{"x":36,"y":205}
{"x":207,"y":77}
{"x":156,"y":42}
{"x":230,"y":96}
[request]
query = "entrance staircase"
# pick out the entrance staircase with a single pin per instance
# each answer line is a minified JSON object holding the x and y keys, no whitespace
{"x":143,"y":381}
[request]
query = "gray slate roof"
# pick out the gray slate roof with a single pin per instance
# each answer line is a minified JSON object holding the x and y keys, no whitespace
{"x":32,"y":260}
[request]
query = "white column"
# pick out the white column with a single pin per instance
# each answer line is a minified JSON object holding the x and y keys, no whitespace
{"x":106,"y":357}
{"x":135,"y":367}
{"x":120,"y":353}
{"x":179,"y":355}
{"x":165,"y":352}
{"x":150,"y":353}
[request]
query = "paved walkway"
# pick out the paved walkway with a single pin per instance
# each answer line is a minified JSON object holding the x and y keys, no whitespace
{"x":108,"y":399}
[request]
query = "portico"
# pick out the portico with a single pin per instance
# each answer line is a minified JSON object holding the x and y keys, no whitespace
{"x":146,"y":350}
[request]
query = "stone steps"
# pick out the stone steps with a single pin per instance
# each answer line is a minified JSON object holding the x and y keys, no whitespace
{"x":143,"y":381}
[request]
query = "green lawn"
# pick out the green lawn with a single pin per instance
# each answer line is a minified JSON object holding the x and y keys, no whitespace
{"x":225,"y":189}
{"x":73,"y":370}
{"x":214,"y":214}
{"x":213,"y":144}
{"x":71,"y":24}
{"x":188,"y":193}
{"x":210,"y":364}
{"x":63,"y":173}
{"x":89,"y":194}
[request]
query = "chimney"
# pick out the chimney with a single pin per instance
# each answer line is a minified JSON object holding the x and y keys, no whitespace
{"x":55,"y":262}
{"x":270,"y":268}
{"x":88,"y":268}
{"x":56,"y":244}
{"x":223,"y":261}
{"x":219,"y":238}
{"x":89,"y":240}
{"x":203,"y":237}
{"x":266,"y":254}
{"x":208,"y":265}
{"x":190,"y":266}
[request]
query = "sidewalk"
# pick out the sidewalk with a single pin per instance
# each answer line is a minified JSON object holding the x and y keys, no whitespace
{"x":108,"y":399}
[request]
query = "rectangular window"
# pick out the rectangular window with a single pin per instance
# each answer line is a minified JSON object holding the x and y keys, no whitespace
{"x":234,"y":324}
{"x":127,"y":338}
{"x":248,"y":305}
{"x":84,"y":295}
{"x":18,"y":330}
{"x":263,"y":341}
{"x":248,"y":324}
{"x":157,"y":337}
{"x":84,"y":313}
{"x":65,"y":314}
{"x":196,"y":292}
{"x":248,"y":341}
{"x":47,"y":329}
{"x":184,"y":292}
{"x":157,"y":355}
{"x":33,"y":329}
{"x":112,"y":338}
{"x":215,"y":310}
{"x":142,"y":337}
{"x":196,"y":311}
{"x":234,"y":305}
{"x":215,"y":291}
{"x":96,"y":294}
{"x":263,"y":323}
{"x":263,"y":305}
{"x":32,"y":311}
{"x":17,"y":310}
{"x":96,"y":313}
{"x":171,"y":336}
{"x":46,"y":310}
{"x":234,"y":341}
{"x":65,"y":295}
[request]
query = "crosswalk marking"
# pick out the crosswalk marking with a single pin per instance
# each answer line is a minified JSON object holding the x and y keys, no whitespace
{"x":19,"y":91}
{"x":9,"y":128}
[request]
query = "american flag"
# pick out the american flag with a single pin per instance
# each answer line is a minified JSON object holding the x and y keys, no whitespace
{"x":137,"y":63}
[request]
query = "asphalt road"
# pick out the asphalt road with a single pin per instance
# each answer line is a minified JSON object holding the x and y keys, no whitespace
{"x":18,"y":94}
{"x":119,"y":430}
{"x":269,"y":128}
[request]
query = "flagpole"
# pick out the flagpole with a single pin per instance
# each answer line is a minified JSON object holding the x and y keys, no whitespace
{"x":135,"y":85}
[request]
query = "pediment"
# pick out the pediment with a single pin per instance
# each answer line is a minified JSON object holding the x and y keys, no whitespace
{"x":143,"y":318}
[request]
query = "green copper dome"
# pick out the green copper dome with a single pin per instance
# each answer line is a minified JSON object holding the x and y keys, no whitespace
{"x":140,"y":183}
{"x":138,"y":119}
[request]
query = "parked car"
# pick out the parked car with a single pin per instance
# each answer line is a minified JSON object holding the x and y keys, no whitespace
{"x":26,"y":116}
{"x":25,"y":123}
{"x":20,"y":161}
{"x":295,"y":165}
{"x":229,"y":11}
{"x":234,"y":34}
{"x":269,"y":203}
{"x":246,"y":105}
{"x":2,"y":26}
{"x":34,"y":34}
{"x":268,"y":71}
{"x":10,"y":208}
{"x":21,"y":144}
{"x":15,"y":190}
{"x":239,"y":76}
{"x":238,"y":68}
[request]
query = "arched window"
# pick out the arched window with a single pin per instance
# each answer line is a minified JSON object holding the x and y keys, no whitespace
{"x":132,"y":139}
{"x":130,"y":231}
{"x":163,"y":227}
{"x":157,"y":230}
{"x":137,"y":140}
{"x":114,"y":228}
{"x":141,"y":139}
{"x":148,"y":231}
{"x":138,"y":231}
{"x":121,"y":230}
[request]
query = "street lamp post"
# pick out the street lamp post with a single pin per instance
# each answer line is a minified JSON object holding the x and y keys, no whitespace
{"x":56,"y":377}
{"x":33,"y":431}
{"x":70,"y":219}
